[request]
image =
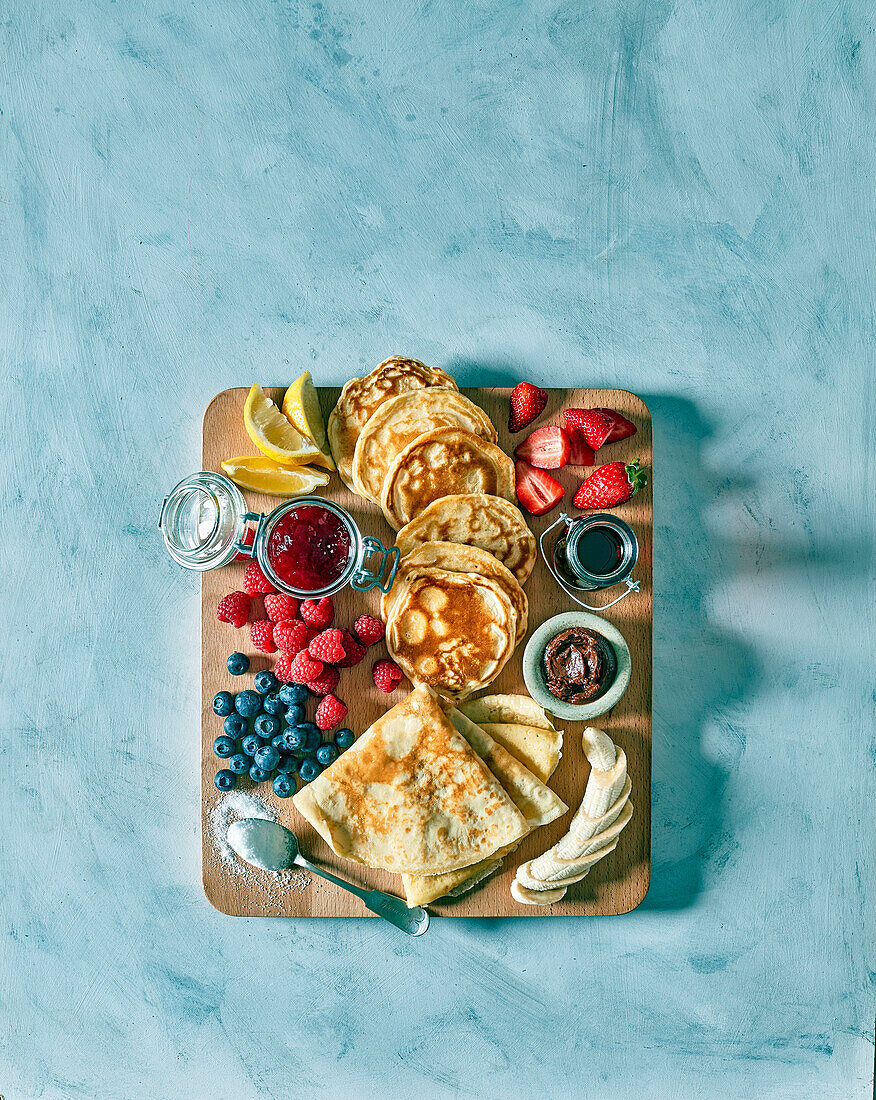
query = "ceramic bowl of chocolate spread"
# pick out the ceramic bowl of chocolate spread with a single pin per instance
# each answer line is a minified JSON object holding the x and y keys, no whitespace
{"x":577,"y":665}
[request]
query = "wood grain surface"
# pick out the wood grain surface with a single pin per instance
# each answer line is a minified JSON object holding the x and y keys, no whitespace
{"x":618,"y":883}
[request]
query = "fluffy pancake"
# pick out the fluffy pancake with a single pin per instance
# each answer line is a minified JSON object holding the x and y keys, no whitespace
{"x":440,"y":462}
{"x":400,"y":420}
{"x":412,"y":796}
{"x":457,"y":558}
{"x":452,"y":631}
{"x":361,"y":397}
{"x":536,"y":802}
{"x":476,"y":519}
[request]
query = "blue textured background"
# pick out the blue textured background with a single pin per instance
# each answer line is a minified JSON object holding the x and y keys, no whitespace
{"x":675,"y":198}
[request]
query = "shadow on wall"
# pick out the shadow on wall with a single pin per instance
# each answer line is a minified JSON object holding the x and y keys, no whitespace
{"x":700,"y":671}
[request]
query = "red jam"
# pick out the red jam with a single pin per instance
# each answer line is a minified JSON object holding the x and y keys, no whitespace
{"x":309,"y":548}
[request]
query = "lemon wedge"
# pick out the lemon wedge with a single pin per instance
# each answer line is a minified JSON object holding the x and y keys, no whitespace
{"x":272,"y":433}
{"x":263,"y":475}
{"x":301,"y":408}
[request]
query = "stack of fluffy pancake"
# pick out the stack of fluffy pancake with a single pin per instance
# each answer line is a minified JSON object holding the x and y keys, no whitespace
{"x":406,"y":439}
{"x":429,"y":794}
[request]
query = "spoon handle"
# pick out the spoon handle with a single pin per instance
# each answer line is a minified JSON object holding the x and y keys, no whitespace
{"x":413,"y":921}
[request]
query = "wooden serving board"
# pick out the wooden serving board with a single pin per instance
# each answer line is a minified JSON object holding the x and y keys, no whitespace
{"x":618,"y":883}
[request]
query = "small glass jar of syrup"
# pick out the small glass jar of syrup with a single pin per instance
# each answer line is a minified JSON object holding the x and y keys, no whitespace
{"x":591,"y":553}
{"x":309,"y":547}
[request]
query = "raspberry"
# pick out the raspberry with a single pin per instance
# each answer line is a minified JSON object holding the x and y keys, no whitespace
{"x":233,"y":608}
{"x":292,"y":635}
{"x":330,"y":712}
{"x":280,"y":607}
{"x":368,"y":629}
{"x":261,"y":634}
{"x":283,"y":668}
{"x":387,"y":675}
{"x":327,"y":647}
{"x":353,"y":650}
{"x":247,"y":541}
{"x":305,"y":668}
{"x":318,"y":612}
{"x":255,"y":583}
{"x":325,"y":684}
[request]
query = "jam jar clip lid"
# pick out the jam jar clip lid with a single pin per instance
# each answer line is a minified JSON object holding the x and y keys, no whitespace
{"x":203,"y":519}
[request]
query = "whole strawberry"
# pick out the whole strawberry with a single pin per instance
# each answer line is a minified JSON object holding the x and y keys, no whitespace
{"x":234,"y":609}
{"x":387,"y":675}
{"x":368,"y":630}
{"x":261,"y":634}
{"x":330,"y":712}
{"x":318,"y":613}
{"x":610,"y":485}
{"x":255,"y":583}
{"x":354,"y":651}
{"x":327,"y":647}
{"x":280,"y":606}
{"x":292,"y":635}
{"x":527,"y":403}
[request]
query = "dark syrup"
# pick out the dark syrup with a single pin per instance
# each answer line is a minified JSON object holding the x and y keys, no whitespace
{"x":599,"y":551}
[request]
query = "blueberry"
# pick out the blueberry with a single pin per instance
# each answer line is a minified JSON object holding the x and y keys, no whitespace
{"x":267,"y":758}
{"x":295,"y":714}
{"x":258,"y":775}
{"x":251,"y":744}
{"x":273,"y":704}
{"x":248,"y":703}
{"x":239,"y":763}
{"x":223,"y":703}
{"x":326,"y":754}
{"x":238,"y":663}
{"x":294,"y":737}
{"x":288,"y":764}
{"x":343,"y":739}
{"x":314,"y":737}
{"x":225,"y":780}
{"x":265,"y":681}
{"x":293,"y":693}
{"x":225,"y":746}
{"x":309,"y":769}
{"x":267,"y":725}
{"x":234,"y":726}
{"x":279,"y":743}
{"x":283,"y":785}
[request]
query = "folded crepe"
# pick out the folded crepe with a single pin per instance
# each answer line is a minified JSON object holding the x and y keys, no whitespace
{"x":538,"y":804}
{"x":412,"y":796}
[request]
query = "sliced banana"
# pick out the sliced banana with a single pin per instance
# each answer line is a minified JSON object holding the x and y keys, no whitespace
{"x":595,"y":830}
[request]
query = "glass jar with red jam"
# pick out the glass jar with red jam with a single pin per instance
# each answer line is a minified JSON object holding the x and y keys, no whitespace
{"x":308,"y":547}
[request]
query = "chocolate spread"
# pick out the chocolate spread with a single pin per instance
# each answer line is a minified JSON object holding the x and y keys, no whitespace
{"x":579,"y":665}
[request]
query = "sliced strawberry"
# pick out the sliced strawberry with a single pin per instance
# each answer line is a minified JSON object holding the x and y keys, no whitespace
{"x":580,"y":451}
{"x":594,"y":424}
{"x":537,"y":491}
{"x":546,"y":448}
{"x":622,"y":429}
{"x":527,"y":402}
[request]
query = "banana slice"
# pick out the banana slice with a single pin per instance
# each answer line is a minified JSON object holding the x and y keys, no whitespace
{"x":595,"y":830}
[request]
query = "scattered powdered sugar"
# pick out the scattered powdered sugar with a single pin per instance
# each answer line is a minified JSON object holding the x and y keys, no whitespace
{"x":232,"y":807}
